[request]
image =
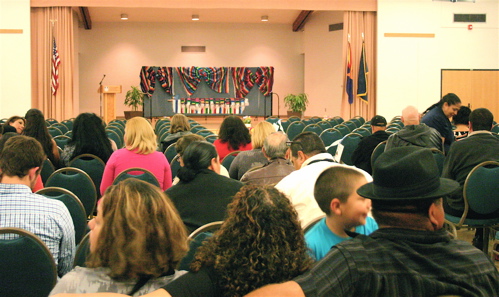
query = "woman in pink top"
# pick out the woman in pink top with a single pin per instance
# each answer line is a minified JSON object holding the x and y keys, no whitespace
{"x":139,"y":151}
{"x":233,"y":136}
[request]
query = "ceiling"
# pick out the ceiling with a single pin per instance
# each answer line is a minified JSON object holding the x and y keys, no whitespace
{"x":179,"y":15}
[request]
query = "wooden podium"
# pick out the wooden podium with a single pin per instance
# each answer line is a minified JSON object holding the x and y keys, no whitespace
{"x":108,"y":99}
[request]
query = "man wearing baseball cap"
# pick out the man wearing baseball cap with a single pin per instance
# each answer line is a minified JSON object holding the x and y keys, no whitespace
{"x":410,"y":254}
{"x":361,"y":157}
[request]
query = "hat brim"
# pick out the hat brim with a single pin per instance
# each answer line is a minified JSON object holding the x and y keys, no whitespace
{"x":446,"y":187}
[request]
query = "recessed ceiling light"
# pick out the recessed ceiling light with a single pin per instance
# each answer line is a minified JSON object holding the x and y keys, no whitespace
{"x":265,"y":18}
{"x":195,"y":17}
{"x":124,"y":16}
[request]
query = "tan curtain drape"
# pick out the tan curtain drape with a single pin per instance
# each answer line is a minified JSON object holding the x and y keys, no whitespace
{"x":354,"y":24}
{"x":61,"y":105}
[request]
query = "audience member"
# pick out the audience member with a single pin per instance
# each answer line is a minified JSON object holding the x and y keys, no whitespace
{"x":410,"y":254}
{"x":309,"y":158}
{"x":20,"y":163}
{"x":136,"y":241}
{"x":361,"y":157}
{"x":202,"y":194}
{"x":8,"y":129}
{"x":414,"y":133}
{"x":246,"y":160}
{"x":89,"y":137}
{"x":36,"y":128}
{"x":275,"y":150}
{"x":336,"y":193}
{"x":179,"y":126}
{"x":139,"y":151}
{"x":232,"y":136}
{"x":461,"y":122}
{"x":17,"y":122}
{"x":39,"y":183}
{"x":463,"y":156}
{"x":260,"y":242}
{"x":439,"y":114}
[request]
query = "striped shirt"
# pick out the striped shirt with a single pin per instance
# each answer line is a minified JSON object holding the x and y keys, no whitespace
{"x":47,"y":218}
{"x":402,"y":262}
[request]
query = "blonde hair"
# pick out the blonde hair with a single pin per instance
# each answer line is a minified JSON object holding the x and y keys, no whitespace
{"x":259,"y":133}
{"x":142,"y":233}
{"x":179,"y":123}
{"x":139,"y":135}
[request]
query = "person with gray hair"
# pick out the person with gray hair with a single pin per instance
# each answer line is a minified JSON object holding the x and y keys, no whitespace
{"x":275,"y":150}
{"x":414,"y":132}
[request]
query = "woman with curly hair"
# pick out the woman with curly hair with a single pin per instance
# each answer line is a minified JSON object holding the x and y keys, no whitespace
{"x":139,"y":151}
{"x":136,"y":241}
{"x":17,"y":123}
{"x":232,"y":136}
{"x":179,"y":126}
{"x":260,"y":242}
{"x":89,"y":137}
{"x":36,"y":128}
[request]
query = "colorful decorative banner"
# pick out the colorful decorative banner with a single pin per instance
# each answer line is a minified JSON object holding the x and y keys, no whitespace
{"x":165,"y":78}
{"x":215,"y":78}
{"x":147,"y":79}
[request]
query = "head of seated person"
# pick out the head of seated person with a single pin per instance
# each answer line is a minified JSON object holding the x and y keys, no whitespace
{"x":89,"y":137}
{"x":184,"y":142}
{"x":336,"y":193}
{"x":17,"y":123}
{"x":234,"y":132}
{"x":139,"y":136}
{"x":261,"y":223}
{"x":199,"y":156}
{"x":304,"y":146}
{"x":259,"y":133}
{"x":179,"y":123}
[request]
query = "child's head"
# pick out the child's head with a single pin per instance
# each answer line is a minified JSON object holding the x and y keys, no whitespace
{"x":336,"y":193}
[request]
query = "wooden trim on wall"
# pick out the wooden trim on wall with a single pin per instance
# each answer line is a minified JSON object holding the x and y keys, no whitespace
{"x":11,"y":31}
{"x":412,"y":35}
{"x":301,"y":20}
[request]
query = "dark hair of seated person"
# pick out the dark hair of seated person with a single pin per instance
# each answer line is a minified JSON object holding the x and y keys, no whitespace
{"x":260,"y":242}
{"x":197,"y":158}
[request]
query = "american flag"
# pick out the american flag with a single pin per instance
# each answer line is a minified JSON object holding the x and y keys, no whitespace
{"x":55,"y":68}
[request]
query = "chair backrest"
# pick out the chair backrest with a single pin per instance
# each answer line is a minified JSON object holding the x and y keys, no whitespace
{"x":211,"y":138}
{"x":227,"y":160}
{"x":294,"y":129}
{"x":161,"y":123}
{"x":68,"y":124}
{"x":175,"y":166}
{"x":163,"y":129}
{"x":118,"y":129}
{"x":481,"y":188}
{"x":204,"y":132}
{"x":344,"y":130}
{"x":47,"y":169}
{"x":313,"y":128}
{"x":171,"y":152}
{"x":115,"y":137}
{"x":439,"y":158}
{"x":272,"y":120}
{"x":139,"y":173}
{"x":294,"y":119}
{"x":27,"y":266}
{"x":61,"y":127}
{"x":362,"y":131}
{"x":352,"y":125}
{"x":285,"y":125}
{"x":73,"y":204}
{"x":78,"y":182}
{"x":197,"y":128}
{"x":349,"y":143}
{"x":329,"y":136}
{"x":197,"y":237}
{"x":92,"y":165}
{"x":378,"y":150}
{"x":62,"y":140}
{"x":495,"y":129}
{"x":324,"y":125}
{"x":82,"y":251}
{"x":308,"y":122}
{"x":54,"y":131}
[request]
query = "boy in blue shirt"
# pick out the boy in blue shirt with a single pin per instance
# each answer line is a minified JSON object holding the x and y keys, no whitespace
{"x":336,"y":193}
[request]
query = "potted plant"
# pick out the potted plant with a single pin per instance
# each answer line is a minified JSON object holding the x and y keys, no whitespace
{"x":133,"y":98}
{"x":297,"y":104}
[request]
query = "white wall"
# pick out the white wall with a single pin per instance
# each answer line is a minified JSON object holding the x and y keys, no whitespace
{"x":15,"y":59}
{"x":409,"y":68}
{"x":119,"y":50}
{"x":323,"y":64}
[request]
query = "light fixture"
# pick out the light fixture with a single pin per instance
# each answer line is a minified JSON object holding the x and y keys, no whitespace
{"x":195,"y":17}
{"x":265,"y":18}
{"x":124,"y":16}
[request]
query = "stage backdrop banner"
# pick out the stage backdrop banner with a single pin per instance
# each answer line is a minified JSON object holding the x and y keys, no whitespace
{"x":207,"y":90}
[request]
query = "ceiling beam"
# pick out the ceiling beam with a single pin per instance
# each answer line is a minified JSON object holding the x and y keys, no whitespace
{"x":301,"y":20}
{"x":85,"y":17}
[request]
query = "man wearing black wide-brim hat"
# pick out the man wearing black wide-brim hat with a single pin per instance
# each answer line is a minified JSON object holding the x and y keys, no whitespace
{"x":410,"y":254}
